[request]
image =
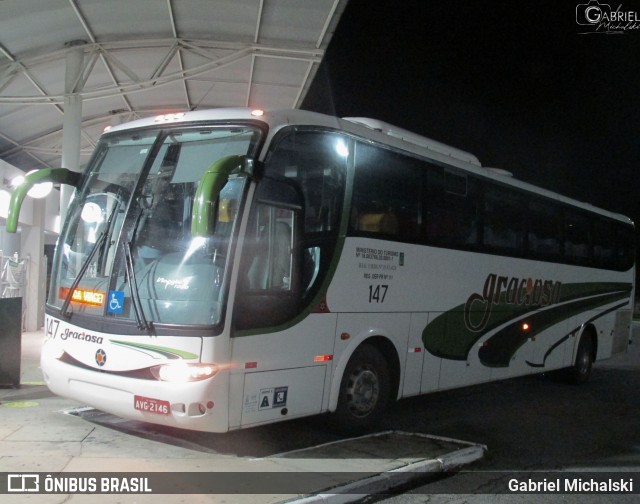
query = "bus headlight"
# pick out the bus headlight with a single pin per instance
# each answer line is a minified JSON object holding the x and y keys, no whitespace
{"x":184,"y":372}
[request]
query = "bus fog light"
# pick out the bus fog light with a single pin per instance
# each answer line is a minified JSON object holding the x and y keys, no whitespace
{"x":184,"y":372}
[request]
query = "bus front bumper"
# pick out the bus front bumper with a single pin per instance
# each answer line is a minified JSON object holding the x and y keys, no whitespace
{"x":197,"y":405}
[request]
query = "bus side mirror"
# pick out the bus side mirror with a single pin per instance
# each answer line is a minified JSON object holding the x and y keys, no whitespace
{"x":54,"y":175}
{"x":205,"y":202}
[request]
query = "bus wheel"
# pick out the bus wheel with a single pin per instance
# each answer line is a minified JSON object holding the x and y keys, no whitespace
{"x":581,"y":369}
{"x":364,"y":390}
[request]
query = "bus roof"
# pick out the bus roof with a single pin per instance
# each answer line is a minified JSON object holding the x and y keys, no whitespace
{"x":413,"y":138}
{"x":371,"y":129}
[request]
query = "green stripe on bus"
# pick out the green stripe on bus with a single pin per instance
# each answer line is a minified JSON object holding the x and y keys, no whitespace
{"x":498,"y":350}
{"x":171,"y":353}
{"x":447,"y":336}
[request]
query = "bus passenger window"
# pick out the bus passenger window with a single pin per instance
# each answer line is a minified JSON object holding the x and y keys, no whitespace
{"x":387,"y":194}
{"x":452,"y":209}
{"x":577,"y":238}
{"x":545,"y":229}
{"x":503,"y":220}
{"x":625,"y":246}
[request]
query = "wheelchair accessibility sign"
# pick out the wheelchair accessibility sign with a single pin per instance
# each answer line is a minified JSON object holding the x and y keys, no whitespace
{"x":273,"y":398}
{"x":115,"y":304}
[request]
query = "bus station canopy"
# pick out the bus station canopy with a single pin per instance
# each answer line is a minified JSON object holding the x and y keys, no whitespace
{"x":121,"y":60}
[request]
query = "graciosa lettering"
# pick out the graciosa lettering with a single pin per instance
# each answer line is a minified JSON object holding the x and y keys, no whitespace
{"x":509,"y":291}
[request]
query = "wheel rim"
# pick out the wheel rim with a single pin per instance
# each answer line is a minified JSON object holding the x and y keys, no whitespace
{"x":584,"y":363}
{"x":363,"y":392}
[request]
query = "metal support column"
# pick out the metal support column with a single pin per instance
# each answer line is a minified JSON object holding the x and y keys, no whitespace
{"x":72,"y":120}
{"x":33,"y":236}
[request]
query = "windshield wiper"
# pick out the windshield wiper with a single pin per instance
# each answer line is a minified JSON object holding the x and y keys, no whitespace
{"x":83,"y":270}
{"x":133,"y":287}
{"x":99,"y":244}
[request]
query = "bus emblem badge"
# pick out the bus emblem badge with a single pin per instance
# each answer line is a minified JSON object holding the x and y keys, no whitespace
{"x":101,"y":357}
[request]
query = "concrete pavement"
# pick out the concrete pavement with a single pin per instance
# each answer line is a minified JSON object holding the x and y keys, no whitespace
{"x":43,"y":433}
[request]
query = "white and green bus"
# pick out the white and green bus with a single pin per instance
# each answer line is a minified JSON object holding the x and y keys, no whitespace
{"x":230,"y":268}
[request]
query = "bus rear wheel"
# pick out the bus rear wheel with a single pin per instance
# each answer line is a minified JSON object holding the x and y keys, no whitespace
{"x":581,"y":369}
{"x":364,"y":391}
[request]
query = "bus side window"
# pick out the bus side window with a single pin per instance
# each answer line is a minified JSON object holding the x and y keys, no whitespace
{"x":272,"y":261}
{"x":577,"y":237}
{"x":503,"y":220}
{"x":271,"y":270}
{"x":387,"y":195}
{"x":625,"y":247}
{"x":544,"y":230}
{"x":451,"y":209}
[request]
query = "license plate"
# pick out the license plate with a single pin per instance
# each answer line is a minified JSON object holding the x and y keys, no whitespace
{"x":150,"y":405}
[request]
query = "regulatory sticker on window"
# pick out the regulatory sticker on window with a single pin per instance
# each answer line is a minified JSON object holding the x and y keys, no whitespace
{"x":150,"y":405}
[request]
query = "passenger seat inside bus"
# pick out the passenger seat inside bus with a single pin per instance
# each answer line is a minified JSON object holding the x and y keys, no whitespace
{"x":378,"y":222}
{"x":272,"y":272}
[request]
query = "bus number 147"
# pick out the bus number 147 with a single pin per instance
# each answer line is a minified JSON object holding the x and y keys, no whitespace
{"x":377,"y":293}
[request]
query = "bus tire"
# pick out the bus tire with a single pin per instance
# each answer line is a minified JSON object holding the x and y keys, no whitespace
{"x":581,"y":370}
{"x":364,"y":391}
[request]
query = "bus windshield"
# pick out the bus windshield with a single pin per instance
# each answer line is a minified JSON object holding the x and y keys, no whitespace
{"x":126,"y":251}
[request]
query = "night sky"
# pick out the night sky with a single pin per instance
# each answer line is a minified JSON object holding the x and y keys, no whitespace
{"x":513,"y":82}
